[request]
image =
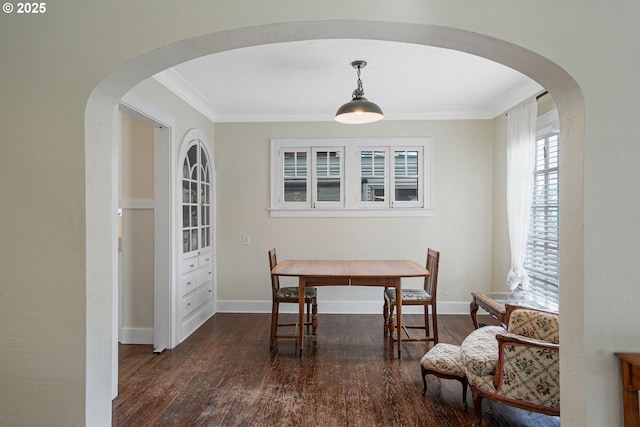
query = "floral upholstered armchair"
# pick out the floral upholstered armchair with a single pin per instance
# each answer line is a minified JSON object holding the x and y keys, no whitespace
{"x":516,"y":366}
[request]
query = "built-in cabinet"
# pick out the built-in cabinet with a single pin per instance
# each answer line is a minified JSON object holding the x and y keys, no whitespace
{"x":196,"y":216}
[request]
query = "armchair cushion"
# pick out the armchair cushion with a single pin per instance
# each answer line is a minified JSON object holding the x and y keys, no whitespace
{"x":535,"y":324}
{"x":480,"y":351}
{"x":445,"y":359}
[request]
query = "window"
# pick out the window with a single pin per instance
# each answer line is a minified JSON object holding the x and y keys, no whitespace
{"x":350,"y":177}
{"x":542,"y":260}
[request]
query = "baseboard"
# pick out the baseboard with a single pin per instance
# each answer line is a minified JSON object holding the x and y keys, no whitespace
{"x":336,"y":307}
{"x":137,"y":336}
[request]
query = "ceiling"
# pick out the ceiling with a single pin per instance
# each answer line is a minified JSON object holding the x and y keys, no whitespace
{"x":309,"y":80}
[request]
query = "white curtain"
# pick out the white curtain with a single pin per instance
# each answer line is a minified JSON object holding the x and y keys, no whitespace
{"x":521,"y":158}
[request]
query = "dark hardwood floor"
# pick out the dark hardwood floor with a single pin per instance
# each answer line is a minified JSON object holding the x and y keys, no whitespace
{"x":225,"y":375}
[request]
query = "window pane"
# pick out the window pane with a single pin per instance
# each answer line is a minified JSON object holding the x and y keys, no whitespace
{"x":194,"y":240}
{"x":372,"y":190}
{"x":205,"y":194}
{"x":328,"y":176}
{"x":186,"y":247}
{"x":372,"y":176}
{"x":328,"y":190}
{"x":322,"y":163}
{"x":406,"y":189}
{"x":204,"y":165}
{"x":194,"y":216}
{"x":185,"y":168}
{"x":186,"y":195}
{"x":192,"y":155}
{"x":193,"y":193}
{"x":295,"y":172}
{"x":406,"y":173}
{"x":295,"y":164}
{"x":185,"y":216}
{"x":295,"y":190}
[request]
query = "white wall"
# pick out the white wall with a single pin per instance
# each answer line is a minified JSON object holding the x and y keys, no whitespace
{"x":462,"y":155}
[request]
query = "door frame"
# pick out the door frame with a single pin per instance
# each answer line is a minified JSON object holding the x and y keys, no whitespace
{"x":165,"y":254}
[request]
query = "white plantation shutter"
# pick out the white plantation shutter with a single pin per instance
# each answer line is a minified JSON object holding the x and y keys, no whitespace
{"x":351,"y":177}
{"x":542,"y":260}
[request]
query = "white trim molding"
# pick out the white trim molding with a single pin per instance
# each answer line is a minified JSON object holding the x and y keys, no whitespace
{"x":137,"y":336}
{"x":176,"y":83}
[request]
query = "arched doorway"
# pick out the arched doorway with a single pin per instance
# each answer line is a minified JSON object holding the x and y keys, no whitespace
{"x":100,"y":201}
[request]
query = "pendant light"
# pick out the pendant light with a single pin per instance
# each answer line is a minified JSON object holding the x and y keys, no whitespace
{"x":359,"y":110}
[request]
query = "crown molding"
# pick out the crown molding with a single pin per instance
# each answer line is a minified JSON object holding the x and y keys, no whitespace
{"x":257,"y":116}
{"x":176,"y":83}
{"x":515,"y":96}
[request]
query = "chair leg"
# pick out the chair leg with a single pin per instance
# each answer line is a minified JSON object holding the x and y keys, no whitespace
{"x":308,"y":322}
{"x":424,"y":382}
{"x":477,"y":403}
{"x":392,"y":322}
{"x":314,"y":317}
{"x":385,"y":314}
{"x":426,"y":322}
{"x":434,"y":316}
{"x":274,"y":323}
{"x":465,"y":383}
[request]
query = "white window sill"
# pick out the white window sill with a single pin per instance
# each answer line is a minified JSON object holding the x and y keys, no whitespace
{"x":351,"y":213}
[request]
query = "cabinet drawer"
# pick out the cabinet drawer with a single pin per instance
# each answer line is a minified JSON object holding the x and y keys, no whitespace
{"x":204,"y":259}
{"x":195,"y":300}
{"x":205,"y":275}
{"x":188,"y":283}
{"x":189,"y":265}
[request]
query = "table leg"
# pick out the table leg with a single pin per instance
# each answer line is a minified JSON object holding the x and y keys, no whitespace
{"x":399,"y":315}
{"x":301,"y":286}
{"x":473,"y":308}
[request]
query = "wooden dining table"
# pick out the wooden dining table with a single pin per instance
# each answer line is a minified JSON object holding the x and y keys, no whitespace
{"x":385,"y":273}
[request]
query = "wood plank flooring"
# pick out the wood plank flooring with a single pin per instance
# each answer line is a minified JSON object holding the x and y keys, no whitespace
{"x":225,"y":375}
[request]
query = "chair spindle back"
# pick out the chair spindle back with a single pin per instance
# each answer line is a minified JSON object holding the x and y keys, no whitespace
{"x":275,"y":281}
{"x":431,"y":281}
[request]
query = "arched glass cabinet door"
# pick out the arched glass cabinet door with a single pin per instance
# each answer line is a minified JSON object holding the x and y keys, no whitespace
{"x":196,"y":200}
{"x":197,"y":203}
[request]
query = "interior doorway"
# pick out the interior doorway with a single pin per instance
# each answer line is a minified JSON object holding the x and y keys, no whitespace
{"x":135,"y":231}
{"x":144,"y":310}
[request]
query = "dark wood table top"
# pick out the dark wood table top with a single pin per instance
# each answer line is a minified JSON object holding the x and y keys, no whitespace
{"x":350,"y":268}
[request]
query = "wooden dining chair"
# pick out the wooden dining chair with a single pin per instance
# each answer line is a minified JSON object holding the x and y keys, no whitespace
{"x":289,"y":295}
{"x":425,"y":297}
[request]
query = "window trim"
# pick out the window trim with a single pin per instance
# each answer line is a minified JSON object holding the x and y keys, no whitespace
{"x":350,"y":163}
